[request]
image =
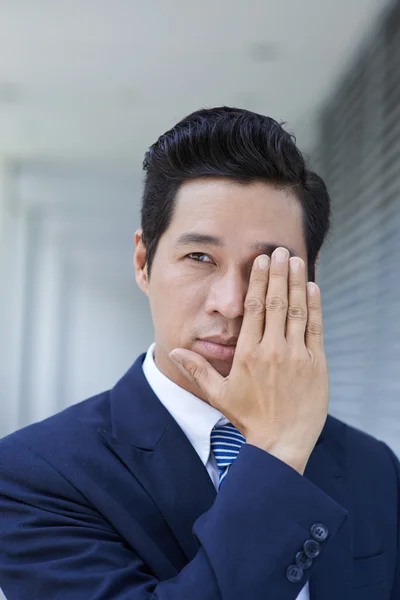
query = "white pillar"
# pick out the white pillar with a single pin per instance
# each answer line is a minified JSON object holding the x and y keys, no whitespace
{"x":12,"y":268}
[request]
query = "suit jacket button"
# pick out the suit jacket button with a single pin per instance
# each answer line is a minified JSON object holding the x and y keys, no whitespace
{"x":319,"y":532}
{"x":303,"y":561}
{"x":312,"y":549}
{"x":294,"y":574}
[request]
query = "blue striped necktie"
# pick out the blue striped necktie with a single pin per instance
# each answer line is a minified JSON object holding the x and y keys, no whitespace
{"x":226,"y":442}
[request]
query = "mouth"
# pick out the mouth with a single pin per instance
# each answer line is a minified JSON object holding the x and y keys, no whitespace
{"x":214,"y":348}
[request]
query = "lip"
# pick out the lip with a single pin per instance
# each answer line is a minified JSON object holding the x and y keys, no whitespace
{"x":220,"y":339}
{"x":216,"y":349}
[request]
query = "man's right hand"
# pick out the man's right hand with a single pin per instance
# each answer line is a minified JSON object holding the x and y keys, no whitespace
{"x":277,"y":391}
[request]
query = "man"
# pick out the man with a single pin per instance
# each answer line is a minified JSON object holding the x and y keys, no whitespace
{"x":211,"y":471}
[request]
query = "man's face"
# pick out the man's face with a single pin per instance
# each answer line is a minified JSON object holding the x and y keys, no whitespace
{"x":197,"y":289}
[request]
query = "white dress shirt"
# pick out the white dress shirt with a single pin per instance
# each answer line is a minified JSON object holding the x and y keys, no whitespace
{"x":195,"y":417}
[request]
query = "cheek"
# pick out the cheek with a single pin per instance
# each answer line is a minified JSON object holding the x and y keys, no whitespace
{"x":179,"y":287}
{"x":179,"y":290}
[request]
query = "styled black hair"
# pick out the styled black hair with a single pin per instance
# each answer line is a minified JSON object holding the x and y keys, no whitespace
{"x":235,"y":144}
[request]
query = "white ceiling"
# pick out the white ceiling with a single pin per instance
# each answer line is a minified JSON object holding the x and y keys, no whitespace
{"x":101,"y":79}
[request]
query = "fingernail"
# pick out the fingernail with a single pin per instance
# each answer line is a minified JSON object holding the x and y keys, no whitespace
{"x":294,"y":264}
{"x":311,"y":288}
{"x":177,"y":358}
{"x":263,"y":262}
{"x":281,"y":254}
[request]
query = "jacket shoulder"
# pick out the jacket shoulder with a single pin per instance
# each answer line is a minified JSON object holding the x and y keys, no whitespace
{"x":74,"y":429}
{"x":365,"y":454}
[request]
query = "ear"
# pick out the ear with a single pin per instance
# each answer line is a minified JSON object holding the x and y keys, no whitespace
{"x":140,"y":262}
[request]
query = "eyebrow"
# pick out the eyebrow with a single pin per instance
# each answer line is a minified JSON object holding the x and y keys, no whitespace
{"x":201,"y":238}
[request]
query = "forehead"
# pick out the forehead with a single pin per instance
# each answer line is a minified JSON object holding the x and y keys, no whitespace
{"x":236,"y":211}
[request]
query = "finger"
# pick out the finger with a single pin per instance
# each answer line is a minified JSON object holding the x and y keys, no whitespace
{"x":252,"y":330}
{"x":196,"y":368}
{"x":277,"y":296}
{"x":297,"y":310}
{"x":314,"y":328}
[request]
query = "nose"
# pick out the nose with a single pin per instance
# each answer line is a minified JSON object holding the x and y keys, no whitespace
{"x":227,"y":295}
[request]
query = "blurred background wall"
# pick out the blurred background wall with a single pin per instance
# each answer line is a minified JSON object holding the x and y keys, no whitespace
{"x":86,"y":87}
{"x":358,"y":154}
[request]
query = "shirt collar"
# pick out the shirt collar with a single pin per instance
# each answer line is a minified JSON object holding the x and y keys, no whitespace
{"x":195,"y":417}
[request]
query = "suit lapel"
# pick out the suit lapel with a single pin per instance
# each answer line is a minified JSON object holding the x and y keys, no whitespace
{"x":326,"y":469}
{"x":159,"y":455}
{"x":179,"y":484}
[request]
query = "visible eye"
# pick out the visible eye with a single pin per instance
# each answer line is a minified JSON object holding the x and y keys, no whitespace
{"x":195,"y":256}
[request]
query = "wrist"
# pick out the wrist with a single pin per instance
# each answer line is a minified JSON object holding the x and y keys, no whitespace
{"x":293,"y":457}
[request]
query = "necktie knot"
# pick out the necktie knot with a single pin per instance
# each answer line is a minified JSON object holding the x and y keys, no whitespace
{"x":226,"y":442}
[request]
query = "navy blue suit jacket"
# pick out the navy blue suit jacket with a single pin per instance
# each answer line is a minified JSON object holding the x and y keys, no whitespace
{"x":108,"y":500}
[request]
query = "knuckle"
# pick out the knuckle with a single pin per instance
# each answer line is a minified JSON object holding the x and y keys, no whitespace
{"x":275,"y":355}
{"x":249,"y":355}
{"x":279,"y":272}
{"x":296,"y":283}
{"x":195,"y":370}
{"x":300,"y":359}
{"x":314,"y":304}
{"x":314,"y":327}
{"x":276,"y":304}
{"x":253,"y":304}
{"x":297,"y":313}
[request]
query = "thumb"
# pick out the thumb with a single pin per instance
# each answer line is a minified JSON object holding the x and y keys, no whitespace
{"x":199,"y":370}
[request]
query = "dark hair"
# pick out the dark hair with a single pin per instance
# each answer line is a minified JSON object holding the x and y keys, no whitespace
{"x":237,"y":144}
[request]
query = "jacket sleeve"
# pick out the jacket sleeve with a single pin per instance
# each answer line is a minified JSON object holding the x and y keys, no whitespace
{"x":55,"y":546}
